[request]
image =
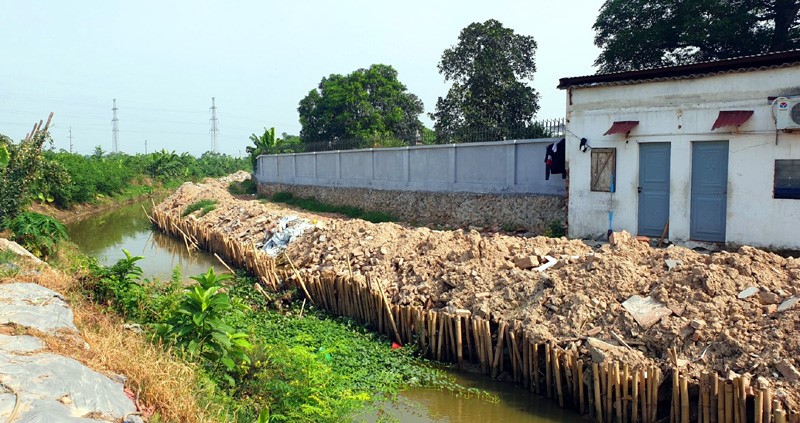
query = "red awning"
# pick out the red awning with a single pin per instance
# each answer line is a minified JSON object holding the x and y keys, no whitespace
{"x":732,"y":118}
{"x":622,"y":127}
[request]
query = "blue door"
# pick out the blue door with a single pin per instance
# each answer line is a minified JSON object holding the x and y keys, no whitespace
{"x":653,"y":188}
{"x":709,"y":191}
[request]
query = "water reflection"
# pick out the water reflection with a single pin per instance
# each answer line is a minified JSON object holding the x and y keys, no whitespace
{"x":105,"y":235}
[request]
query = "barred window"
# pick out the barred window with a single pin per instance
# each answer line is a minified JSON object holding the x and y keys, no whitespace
{"x":787,"y":179}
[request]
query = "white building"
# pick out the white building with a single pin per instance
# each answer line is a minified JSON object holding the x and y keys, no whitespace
{"x":708,"y":148}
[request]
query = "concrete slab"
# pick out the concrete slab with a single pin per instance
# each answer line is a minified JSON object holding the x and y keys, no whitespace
{"x":646,"y":310}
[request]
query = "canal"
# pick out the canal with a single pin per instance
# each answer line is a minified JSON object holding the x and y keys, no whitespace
{"x":105,"y":236}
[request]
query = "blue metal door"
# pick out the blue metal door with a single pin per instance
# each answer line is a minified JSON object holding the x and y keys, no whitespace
{"x":709,"y":191}
{"x":653,"y":188}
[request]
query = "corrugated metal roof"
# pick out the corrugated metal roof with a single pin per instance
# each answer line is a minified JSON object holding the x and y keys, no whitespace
{"x":622,"y":127}
{"x":731,"y":118}
{"x":695,"y":70}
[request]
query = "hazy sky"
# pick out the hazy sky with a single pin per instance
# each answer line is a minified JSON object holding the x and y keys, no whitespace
{"x":164,"y":60}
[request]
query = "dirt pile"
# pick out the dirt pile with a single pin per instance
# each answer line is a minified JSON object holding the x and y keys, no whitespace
{"x":727,"y":312}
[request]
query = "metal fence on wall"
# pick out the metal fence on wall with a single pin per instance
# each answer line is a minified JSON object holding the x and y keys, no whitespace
{"x":547,"y":128}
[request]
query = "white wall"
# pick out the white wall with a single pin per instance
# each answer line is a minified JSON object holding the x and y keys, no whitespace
{"x":502,"y":167}
{"x":681,"y":112}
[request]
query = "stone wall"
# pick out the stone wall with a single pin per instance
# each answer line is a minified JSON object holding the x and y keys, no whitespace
{"x":518,"y":211}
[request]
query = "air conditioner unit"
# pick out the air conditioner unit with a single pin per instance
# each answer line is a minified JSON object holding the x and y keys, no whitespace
{"x":787,"y":113}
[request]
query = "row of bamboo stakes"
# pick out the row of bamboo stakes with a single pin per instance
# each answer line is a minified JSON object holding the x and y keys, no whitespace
{"x":604,"y":392}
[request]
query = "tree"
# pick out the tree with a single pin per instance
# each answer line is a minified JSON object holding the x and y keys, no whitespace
{"x":490,"y":69}
{"x":637,"y":34}
{"x":266,"y":143}
{"x":369,"y":105}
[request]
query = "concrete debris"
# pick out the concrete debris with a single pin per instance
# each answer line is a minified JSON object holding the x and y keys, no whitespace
{"x":788,"y":370}
{"x":288,"y":229}
{"x":603,"y":351}
{"x":671,"y":264}
{"x":8,"y":245}
{"x":551,"y":261}
{"x":788,"y":304}
{"x":769,"y":297}
{"x":528,"y":262}
{"x":747,"y":293}
{"x":20,"y":344}
{"x":34,"y":306}
{"x":646,"y":310}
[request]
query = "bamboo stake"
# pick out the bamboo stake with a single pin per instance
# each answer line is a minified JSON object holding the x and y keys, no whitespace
{"x":609,"y":392}
{"x":705,"y":397}
{"x":577,"y":381}
{"x":300,"y":279}
{"x":451,"y":336}
{"x":625,"y":397}
{"x":618,"y":392}
{"x":729,"y":417}
{"x":459,"y":347}
{"x":498,"y":352}
{"x":684,"y":399}
{"x":742,"y":400}
{"x":581,"y":395}
{"x":635,"y":399}
{"x":780,"y":416}
{"x":676,"y":398}
{"x":598,"y":403}
{"x":759,"y":406}
{"x":654,"y":379}
{"x":386,"y":304}
{"x":737,"y":416}
{"x":548,"y":370}
{"x":557,"y":374}
{"x":487,"y":339}
{"x":526,"y":361}
{"x":440,"y":341}
{"x":223,"y":263}
{"x":767,"y":406}
{"x":643,"y":395}
{"x":536,"y":367}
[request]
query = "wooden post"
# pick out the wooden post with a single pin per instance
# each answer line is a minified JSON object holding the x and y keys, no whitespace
{"x":581,"y":388}
{"x":705,"y":396}
{"x":536,"y":367}
{"x":737,"y":417}
{"x":654,"y":379}
{"x":729,"y":417}
{"x":684,"y":399}
{"x":557,"y":374}
{"x":548,"y":370}
{"x":498,"y":351}
{"x":635,"y":400}
{"x":759,"y":407}
{"x":618,"y":392}
{"x":609,"y":391}
{"x":676,"y":396}
{"x":625,"y":396}
{"x":598,"y":403}
{"x":459,"y":347}
{"x":643,"y":395}
{"x":767,"y":406}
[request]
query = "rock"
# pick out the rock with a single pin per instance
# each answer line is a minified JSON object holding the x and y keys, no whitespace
{"x":672,"y":263}
{"x":770,"y":308}
{"x":603,"y":351}
{"x":525,"y":263}
{"x":788,"y":304}
{"x":646,"y":310}
{"x":594,"y":331}
{"x":747,"y":293}
{"x":697,"y":324}
{"x":762,"y":382}
{"x":32,"y":305}
{"x":17,"y":249}
{"x":769,"y":297}
{"x":788,"y":370}
{"x":20,"y":344}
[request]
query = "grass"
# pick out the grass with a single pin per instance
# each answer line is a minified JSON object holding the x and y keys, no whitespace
{"x":204,"y":206}
{"x":246,"y":187}
{"x":314,"y":205}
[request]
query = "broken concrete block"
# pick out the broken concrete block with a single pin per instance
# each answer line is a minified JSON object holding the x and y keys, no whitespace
{"x":747,"y":293}
{"x":525,"y":263}
{"x":788,"y":370}
{"x":672,"y":263}
{"x":646,"y":310}
{"x":698,"y":324}
{"x":603,"y":351}
{"x":788,"y":304}
{"x":769,"y":297}
{"x":594,"y":331}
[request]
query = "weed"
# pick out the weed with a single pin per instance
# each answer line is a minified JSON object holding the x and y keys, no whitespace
{"x":555,"y":229}
{"x":204,"y":206}
{"x":38,"y":233}
{"x":312,"y":204}
{"x":248,"y":186}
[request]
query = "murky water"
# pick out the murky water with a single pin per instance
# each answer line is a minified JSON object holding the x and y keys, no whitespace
{"x":105,"y":235}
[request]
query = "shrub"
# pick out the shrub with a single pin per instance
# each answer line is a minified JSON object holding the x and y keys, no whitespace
{"x":38,"y":233}
{"x":555,"y":229}
{"x":204,"y":206}
{"x":248,"y":186}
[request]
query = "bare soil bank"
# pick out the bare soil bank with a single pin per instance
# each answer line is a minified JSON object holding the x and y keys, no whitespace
{"x":725,"y":312}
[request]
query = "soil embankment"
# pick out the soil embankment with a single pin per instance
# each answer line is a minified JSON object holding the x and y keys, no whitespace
{"x":728,"y":312}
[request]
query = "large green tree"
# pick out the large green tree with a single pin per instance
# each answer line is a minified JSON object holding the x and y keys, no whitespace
{"x":490,"y":98}
{"x":638,"y":34}
{"x":368,"y":105}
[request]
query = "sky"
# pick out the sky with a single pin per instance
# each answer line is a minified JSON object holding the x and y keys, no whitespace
{"x":163,"y":61}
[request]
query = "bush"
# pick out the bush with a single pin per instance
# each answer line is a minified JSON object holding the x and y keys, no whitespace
{"x":38,"y":233}
{"x":204,"y":206}
{"x":555,"y":229}
{"x":248,"y":186}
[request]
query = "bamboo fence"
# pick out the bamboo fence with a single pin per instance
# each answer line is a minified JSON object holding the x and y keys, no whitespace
{"x":603,"y":392}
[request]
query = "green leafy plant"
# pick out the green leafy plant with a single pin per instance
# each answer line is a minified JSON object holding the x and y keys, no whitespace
{"x":38,"y":233}
{"x":248,"y":186}
{"x":204,"y":206}
{"x":199,"y":325}
{"x":555,"y":229}
{"x":315,"y":205}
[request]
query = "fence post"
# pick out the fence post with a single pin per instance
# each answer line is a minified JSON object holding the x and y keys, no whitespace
{"x":452,"y":162}
{"x":511,"y":165}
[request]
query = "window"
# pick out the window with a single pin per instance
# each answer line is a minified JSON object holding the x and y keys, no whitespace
{"x":604,"y":168}
{"x":787,"y":179}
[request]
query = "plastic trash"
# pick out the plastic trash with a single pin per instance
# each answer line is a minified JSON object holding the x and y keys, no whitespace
{"x":289,"y":228}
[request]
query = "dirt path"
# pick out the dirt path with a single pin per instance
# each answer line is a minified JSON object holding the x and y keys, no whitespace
{"x":730,"y":312}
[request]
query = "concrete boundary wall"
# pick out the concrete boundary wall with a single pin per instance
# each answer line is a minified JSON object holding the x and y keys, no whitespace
{"x":502,"y":167}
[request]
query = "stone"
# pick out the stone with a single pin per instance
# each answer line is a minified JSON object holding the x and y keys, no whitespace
{"x":762,"y":382}
{"x":788,"y":370}
{"x":20,"y":344}
{"x":748,"y":292}
{"x":526,"y":263}
{"x":671,"y":264}
{"x":594,"y":331}
{"x":788,"y":304}
{"x":646,"y":310}
{"x":17,"y":249}
{"x":603,"y":351}
{"x":34,"y":306}
{"x":770,"y":308}
{"x":769,"y":297}
{"x":698,"y":324}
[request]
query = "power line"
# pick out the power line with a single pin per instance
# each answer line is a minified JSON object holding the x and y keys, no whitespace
{"x":115,"y":129}
{"x":214,"y":129}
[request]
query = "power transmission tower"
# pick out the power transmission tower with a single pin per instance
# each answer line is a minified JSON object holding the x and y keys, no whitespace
{"x":70,"y":140}
{"x":214,"y":129}
{"x":115,"y":129}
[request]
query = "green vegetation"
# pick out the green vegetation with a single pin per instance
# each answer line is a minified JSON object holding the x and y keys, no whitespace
{"x":555,"y":229}
{"x":312,"y":204}
{"x":643,"y":34}
{"x":248,"y":186}
{"x":204,"y":206}
{"x":266,"y":365}
{"x":37,"y":233}
{"x":267,"y":143}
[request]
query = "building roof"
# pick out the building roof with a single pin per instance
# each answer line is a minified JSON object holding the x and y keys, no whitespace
{"x":735,"y":64}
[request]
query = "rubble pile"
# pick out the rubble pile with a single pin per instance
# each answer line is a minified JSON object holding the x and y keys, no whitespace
{"x":730,"y":312}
